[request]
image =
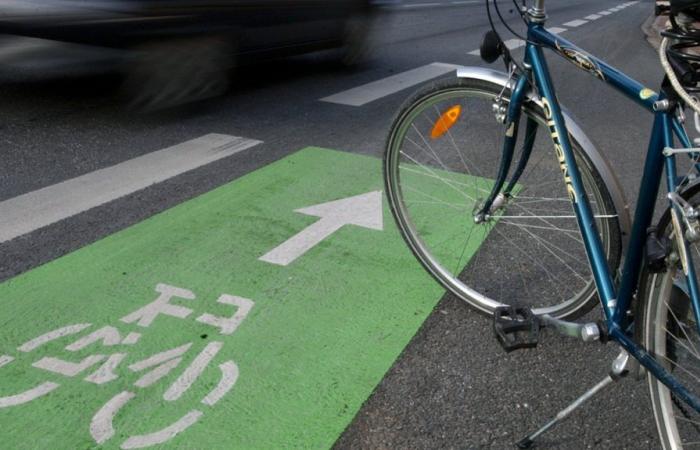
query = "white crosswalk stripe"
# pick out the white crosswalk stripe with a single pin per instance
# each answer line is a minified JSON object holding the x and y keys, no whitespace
{"x":575,"y":23}
{"x":375,"y":90}
{"x":369,"y":92}
{"x":37,"y":209}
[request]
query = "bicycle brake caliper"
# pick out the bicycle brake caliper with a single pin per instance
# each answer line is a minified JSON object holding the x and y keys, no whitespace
{"x":500,"y":107}
{"x":689,"y":215}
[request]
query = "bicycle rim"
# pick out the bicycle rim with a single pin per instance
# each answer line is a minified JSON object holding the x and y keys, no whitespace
{"x":670,"y":335}
{"x":530,"y":252}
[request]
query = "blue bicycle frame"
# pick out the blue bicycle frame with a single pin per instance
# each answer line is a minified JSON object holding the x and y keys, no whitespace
{"x":615,"y":299}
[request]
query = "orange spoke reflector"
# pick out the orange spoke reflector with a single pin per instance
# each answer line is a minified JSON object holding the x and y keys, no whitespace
{"x":445,"y":122}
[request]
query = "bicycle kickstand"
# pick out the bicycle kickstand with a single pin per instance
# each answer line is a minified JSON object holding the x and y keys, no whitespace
{"x":618,"y":370}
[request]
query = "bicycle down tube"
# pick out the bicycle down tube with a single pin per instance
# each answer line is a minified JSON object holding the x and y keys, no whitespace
{"x":615,"y":301}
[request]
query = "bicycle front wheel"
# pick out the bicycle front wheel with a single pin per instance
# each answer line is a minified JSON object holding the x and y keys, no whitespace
{"x":530,"y":252}
{"x":670,"y":334}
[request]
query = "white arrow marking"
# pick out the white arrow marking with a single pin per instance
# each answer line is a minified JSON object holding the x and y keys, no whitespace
{"x":363,"y":210}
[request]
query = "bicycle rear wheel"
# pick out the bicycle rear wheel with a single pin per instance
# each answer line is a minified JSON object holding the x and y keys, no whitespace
{"x":530,"y":252}
{"x":670,"y":334}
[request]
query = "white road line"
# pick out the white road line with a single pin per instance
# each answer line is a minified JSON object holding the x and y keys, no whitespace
{"x":575,"y":23}
{"x":512,"y":44}
{"x":431,"y":4}
{"x":31,"y":211}
{"x":604,"y":13}
{"x":369,"y":92}
{"x":515,"y":43}
{"x":592,"y":17}
{"x":421,"y":5}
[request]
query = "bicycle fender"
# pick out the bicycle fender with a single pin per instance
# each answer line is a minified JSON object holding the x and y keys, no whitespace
{"x":601,"y":163}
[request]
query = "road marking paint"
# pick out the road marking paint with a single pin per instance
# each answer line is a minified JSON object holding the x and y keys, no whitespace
{"x":421,"y":5}
{"x":156,"y":374}
{"x":604,"y":13}
{"x":322,"y":334}
{"x":27,"y":396}
{"x":37,"y":209}
{"x":430,"y":4}
{"x":107,"y":335}
{"x":67,"y":368}
{"x":160,"y":358}
{"x":512,"y":44}
{"x":592,"y":17}
{"x":575,"y":23}
{"x":375,"y":90}
{"x":51,"y":336}
{"x":227,"y":325}
{"x":363,"y":210}
{"x":194,"y":371}
{"x":101,"y":426}
{"x":105,"y":373}
{"x":229,"y":376}
{"x":5,"y":359}
{"x":164,"y":435}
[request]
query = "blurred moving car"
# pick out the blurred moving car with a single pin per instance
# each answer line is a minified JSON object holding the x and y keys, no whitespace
{"x":181,"y":50}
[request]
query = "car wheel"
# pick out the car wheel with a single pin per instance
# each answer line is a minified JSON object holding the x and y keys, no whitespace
{"x":356,"y":40}
{"x":176,"y":71}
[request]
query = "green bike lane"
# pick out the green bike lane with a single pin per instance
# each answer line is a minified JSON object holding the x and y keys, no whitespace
{"x":259,"y":315}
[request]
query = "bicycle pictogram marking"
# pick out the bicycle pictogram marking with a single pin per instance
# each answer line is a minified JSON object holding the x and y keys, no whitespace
{"x":105,"y":367}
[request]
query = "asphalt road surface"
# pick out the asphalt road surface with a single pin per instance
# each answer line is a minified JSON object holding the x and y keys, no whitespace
{"x":453,"y":386}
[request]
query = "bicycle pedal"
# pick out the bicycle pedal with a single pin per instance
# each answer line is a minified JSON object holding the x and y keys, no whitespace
{"x":516,"y":327}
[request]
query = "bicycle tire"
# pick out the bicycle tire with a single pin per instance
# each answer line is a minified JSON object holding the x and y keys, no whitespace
{"x":668,"y":332}
{"x":482,"y":275}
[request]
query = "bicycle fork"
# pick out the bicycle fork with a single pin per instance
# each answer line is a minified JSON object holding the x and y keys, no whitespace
{"x":499,"y":196}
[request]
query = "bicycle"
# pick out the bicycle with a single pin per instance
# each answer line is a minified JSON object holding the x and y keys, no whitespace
{"x":543,"y":230}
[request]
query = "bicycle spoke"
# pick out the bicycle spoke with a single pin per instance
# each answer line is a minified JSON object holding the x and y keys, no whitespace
{"x":547,"y":246}
{"x":435,"y":200}
{"x":680,"y":323}
{"x":675,"y":338}
{"x":540,"y":227}
{"x":445,"y":181}
{"x":538,"y":263}
{"x":531,"y":244}
{"x":433,"y":175}
{"x":464,"y":249}
{"x":462,"y":157}
{"x":676,"y":365}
